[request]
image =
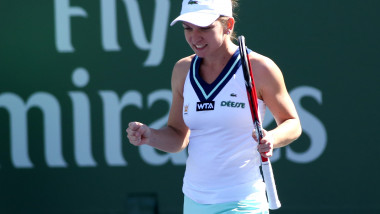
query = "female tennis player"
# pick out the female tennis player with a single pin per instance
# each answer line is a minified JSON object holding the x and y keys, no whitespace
{"x":210,"y":115}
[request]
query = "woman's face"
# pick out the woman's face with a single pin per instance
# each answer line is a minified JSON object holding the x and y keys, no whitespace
{"x":204,"y":40}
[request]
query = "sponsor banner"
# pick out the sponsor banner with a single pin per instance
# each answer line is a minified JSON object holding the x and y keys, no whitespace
{"x":74,"y":73}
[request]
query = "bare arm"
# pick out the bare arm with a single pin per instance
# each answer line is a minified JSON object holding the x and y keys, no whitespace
{"x":271,"y":88}
{"x":175,"y":136}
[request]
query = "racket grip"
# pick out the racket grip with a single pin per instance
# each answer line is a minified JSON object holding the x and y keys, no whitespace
{"x":274,"y":202}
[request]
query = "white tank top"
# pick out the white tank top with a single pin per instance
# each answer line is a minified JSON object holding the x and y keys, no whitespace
{"x":223,"y":163}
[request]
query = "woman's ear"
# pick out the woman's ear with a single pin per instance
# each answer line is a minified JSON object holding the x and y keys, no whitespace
{"x":230,"y":24}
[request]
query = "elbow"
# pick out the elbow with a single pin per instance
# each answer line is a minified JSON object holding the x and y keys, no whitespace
{"x":298,"y":131}
{"x":177,"y":150}
{"x":182,"y":147}
{"x":182,"y":141}
{"x":295,"y":132}
{"x":178,"y":147}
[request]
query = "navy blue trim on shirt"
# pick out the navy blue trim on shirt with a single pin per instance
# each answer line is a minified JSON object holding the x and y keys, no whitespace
{"x":205,"y":91}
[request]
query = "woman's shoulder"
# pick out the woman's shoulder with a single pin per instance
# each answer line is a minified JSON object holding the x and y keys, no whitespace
{"x":184,"y":63}
{"x":260,"y":61}
{"x":263,"y":66}
{"x":267,"y":74}
{"x":180,"y":70}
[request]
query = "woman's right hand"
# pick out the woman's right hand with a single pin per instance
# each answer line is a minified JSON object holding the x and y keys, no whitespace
{"x":138,"y":133}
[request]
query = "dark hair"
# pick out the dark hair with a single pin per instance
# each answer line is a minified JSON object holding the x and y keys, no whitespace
{"x":224,"y":19}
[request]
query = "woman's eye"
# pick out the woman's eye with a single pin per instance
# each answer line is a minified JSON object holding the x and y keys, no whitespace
{"x":205,"y":28}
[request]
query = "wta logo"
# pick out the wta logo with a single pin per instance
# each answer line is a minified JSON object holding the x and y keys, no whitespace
{"x":205,"y":106}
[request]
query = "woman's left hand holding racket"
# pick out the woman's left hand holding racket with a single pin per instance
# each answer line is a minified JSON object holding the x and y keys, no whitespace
{"x":265,"y":147}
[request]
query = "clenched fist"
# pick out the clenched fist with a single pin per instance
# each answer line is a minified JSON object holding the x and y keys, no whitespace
{"x":138,"y":133}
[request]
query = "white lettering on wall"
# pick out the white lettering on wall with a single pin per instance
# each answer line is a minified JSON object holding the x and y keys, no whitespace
{"x":109,"y":25}
{"x":112,"y":115}
{"x":82,"y":120}
{"x":155,"y":43}
{"x":311,"y":126}
{"x":63,"y":13}
{"x":149,"y":154}
{"x":50,"y":107}
{"x":112,"y":123}
{"x":51,"y":112}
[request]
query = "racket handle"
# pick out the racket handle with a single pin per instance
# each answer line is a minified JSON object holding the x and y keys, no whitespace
{"x":274,"y":202}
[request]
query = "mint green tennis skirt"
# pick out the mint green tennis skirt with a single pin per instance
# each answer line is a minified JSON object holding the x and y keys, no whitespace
{"x":245,"y":206}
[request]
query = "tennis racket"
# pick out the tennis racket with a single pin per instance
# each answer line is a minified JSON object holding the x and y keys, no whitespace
{"x":266,"y":166}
